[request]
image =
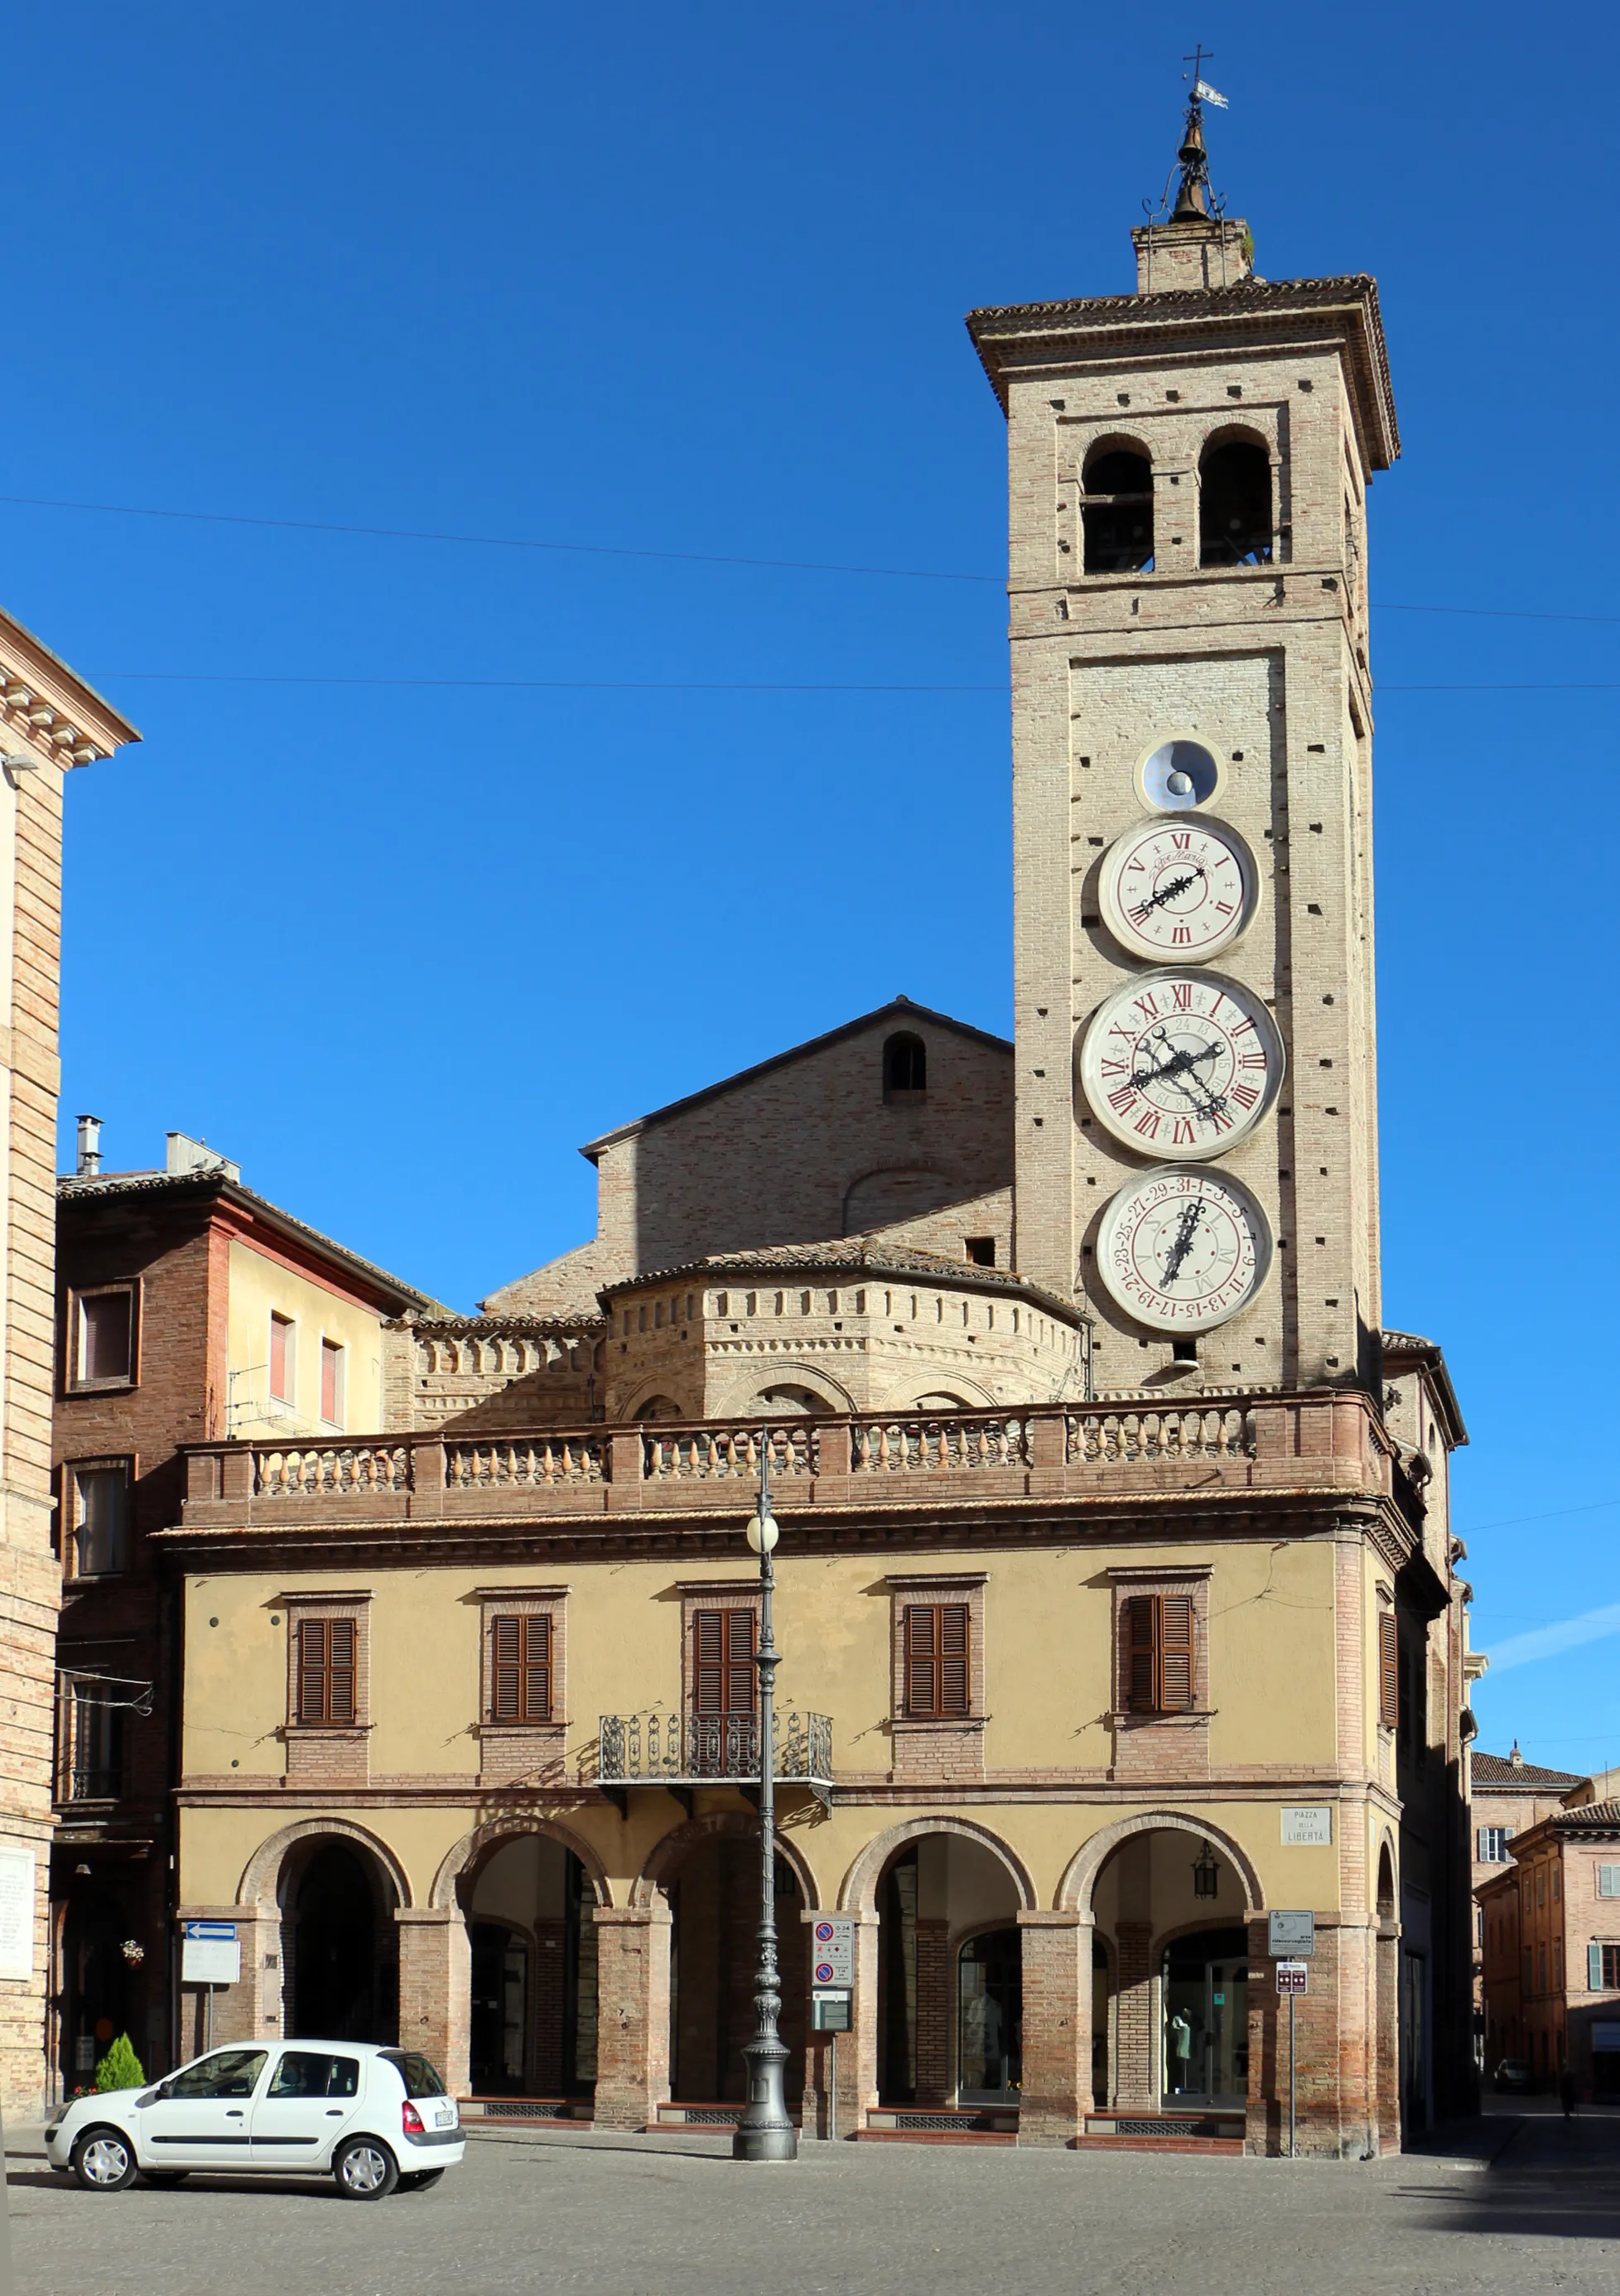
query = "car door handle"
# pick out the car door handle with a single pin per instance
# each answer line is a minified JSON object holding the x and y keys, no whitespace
{"x":334,"y":2112}
{"x":234,"y":2113}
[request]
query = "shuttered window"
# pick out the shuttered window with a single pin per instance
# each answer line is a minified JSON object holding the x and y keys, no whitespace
{"x":935,"y":1651}
{"x":520,"y":1669}
{"x":1389,"y":1671}
{"x":1159,"y":1668}
{"x":722,"y":1662}
{"x":326,"y":1670}
{"x":1609,"y":1881}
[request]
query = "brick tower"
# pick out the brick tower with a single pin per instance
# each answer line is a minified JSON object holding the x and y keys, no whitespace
{"x":1186,"y":564}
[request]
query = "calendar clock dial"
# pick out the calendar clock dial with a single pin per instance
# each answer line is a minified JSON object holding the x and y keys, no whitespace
{"x":1181,"y":887}
{"x":1182,"y":1063}
{"x":1182,"y":1250}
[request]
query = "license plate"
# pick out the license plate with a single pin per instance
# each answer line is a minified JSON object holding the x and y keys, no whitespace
{"x":445,"y":2117}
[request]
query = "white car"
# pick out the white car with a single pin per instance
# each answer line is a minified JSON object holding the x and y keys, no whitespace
{"x":375,"y":2119}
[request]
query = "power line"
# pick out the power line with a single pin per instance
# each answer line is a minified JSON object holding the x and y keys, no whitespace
{"x":1554,"y":1514}
{"x":678,"y":684}
{"x":680,"y":557}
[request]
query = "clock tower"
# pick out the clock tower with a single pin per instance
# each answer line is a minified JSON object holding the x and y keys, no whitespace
{"x":1197,"y":1155}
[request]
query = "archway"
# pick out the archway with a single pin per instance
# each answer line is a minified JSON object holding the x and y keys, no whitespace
{"x":339,"y":1943}
{"x":1171,"y":1901}
{"x":950,"y":2004}
{"x":708,"y":1870}
{"x":532,"y":2019}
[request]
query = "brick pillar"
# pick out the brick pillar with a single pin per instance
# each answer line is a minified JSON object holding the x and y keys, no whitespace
{"x":1135,"y":2076}
{"x":436,"y":1990}
{"x":546,"y":2013}
{"x":1057,"y":2049}
{"x":633,"y":2014}
{"x":934,"y":2050}
{"x":858,"y":2048}
{"x":1386,"y":2037}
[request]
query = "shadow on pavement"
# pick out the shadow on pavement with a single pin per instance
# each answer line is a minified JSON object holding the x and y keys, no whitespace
{"x":1551,"y":2179}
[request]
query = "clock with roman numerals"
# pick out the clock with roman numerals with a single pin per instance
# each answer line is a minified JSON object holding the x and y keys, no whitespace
{"x":1179,"y":885}
{"x":1181,"y":1063}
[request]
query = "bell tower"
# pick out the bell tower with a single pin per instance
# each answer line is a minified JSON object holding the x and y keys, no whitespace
{"x":1196,"y":1114}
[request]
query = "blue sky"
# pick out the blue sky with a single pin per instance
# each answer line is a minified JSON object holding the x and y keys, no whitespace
{"x":693,"y":281}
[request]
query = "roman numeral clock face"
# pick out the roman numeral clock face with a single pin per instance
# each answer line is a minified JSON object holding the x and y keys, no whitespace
{"x":1181,"y":1063}
{"x":1178,"y":886}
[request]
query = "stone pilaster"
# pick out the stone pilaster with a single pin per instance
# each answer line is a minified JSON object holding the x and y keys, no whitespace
{"x":633,"y":2014}
{"x":436,"y":1990}
{"x":1057,"y":2066}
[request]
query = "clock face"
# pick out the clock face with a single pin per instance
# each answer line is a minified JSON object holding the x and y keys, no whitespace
{"x":1183,"y":1249}
{"x":1182,"y":1063}
{"x":1182,"y":887}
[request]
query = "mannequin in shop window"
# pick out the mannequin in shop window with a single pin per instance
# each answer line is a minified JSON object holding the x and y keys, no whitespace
{"x":1180,"y":2053}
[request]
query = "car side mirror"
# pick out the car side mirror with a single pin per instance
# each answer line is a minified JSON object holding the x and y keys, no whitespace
{"x":148,"y":2096}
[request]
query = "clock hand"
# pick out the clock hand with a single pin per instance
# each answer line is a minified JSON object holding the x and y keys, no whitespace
{"x":1183,"y":1239}
{"x":1167,"y":893}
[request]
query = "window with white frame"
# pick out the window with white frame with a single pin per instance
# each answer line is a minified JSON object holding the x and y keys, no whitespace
{"x":1493,"y":1841}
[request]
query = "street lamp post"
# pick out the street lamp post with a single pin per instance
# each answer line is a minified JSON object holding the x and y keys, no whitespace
{"x":765,"y":2132}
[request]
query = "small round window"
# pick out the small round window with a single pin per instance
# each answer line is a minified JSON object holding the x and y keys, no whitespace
{"x":1178,"y":775}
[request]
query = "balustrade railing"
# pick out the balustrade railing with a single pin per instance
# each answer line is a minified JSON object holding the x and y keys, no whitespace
{"x":1109,"y":1438}
{"x":922,"y":1447}
{"x":714,"y":1454}
{"x":655,"y":1747}
{"x":331,"y":1471}
{"x":541,"y":1460}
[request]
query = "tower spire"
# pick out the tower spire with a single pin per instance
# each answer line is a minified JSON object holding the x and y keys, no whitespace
{"x":1193,"y":196}
{"x":1191,"y":244}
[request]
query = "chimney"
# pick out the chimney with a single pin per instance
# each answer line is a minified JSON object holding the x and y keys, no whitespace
{"x":89,"y":1147}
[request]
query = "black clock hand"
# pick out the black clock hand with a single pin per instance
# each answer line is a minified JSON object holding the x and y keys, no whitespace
{"x":1183,"y":1239}
{"x":1167,"y":893}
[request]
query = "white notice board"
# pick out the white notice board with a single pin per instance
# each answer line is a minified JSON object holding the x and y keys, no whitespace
{"x":210,"y":1954}
{"x":16,"y":1911}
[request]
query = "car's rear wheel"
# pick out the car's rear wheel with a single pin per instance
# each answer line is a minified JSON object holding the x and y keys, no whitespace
{"x":419,"y":2179}
{"x":365,"y":2170}
{"x":104,"y":2161}
{"x":164,"y":2176}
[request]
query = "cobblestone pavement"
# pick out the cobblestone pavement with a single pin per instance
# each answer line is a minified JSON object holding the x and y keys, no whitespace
{"x":1515,"y":2203}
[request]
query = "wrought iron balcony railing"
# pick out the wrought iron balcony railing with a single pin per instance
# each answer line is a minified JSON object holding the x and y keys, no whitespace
{"x":657,"y":1749}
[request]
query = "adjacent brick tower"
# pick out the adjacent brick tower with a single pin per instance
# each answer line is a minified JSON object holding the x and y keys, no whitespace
{"x":1196,"y":1151}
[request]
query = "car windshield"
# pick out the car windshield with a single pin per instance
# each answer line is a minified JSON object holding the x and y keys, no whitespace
{"x":418,"y":2075}
{"x":228,"y":2072}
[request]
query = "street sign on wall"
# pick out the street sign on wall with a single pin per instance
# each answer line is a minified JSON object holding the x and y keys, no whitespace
{"x":210,"y":1954}
{"x":1292,"y":1935}
{"x":833,"y":1940}
{"x":1293,"y":1976}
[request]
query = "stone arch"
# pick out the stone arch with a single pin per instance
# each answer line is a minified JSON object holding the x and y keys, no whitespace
{"x":1388,"y":1900}
{"x":859,"y":1893}
{"x":892,"y":1193}
{"x":918,"y":1393}
{"x":742,"y":1403}
{"x":261,"y":1875}
{"x":473,"y":1847}
{"x":738,"y":1825}
{"x":1080,"y":1876}
{"x":655,"y":1405}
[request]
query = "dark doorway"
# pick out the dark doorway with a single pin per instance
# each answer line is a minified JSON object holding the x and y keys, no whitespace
{"x":344,"y":1957}
{"x":96,"y":1987}
{"x":499,"y":2023}
{"x":1205,"y":1999}
{"x":990,"y":2014}
{"x":714,"y":1953}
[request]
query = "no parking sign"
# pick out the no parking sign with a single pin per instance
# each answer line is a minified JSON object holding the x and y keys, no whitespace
{"x":834,"y":1940}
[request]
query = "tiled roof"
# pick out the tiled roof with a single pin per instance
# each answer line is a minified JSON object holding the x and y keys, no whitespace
{"x":864,"y":1254}
{"x":71,"y":1188}
{"x":1594,"y":1817}
{"x":1497,"y":1770}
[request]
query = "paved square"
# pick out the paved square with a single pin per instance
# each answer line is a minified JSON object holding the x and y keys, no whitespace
{"x":675,"y":2217}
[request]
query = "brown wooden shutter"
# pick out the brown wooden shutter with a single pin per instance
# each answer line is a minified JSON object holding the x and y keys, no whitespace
{"x":921,"y":1654}
{"x":1140,"y":1654}
{"x":537,"y":1667}
{"x":340,"y":1677}
{"x":326,"y":1670}
{"x":722,"y":1662}
{"x":506,"y":1670}
{"x":1389,"y":1678}
{"x":312,"y":1670}
{"x":1176,"y":1654}
{"x":952,"y":1660}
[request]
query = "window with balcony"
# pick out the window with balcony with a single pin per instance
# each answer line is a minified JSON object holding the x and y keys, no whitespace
{"x":92,"y":1727}
{"x":723,"y":1676}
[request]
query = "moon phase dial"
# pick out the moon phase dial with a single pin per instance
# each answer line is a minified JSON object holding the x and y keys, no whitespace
{"x":1183,"y":1249}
